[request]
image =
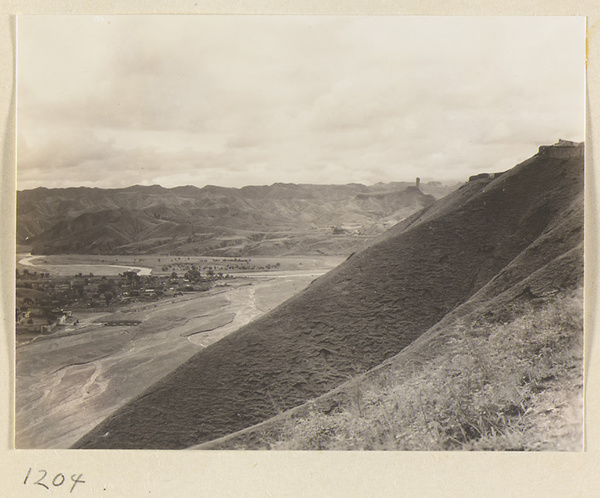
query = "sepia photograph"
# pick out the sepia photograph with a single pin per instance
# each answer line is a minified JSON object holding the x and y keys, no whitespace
{"x":247,"y":232}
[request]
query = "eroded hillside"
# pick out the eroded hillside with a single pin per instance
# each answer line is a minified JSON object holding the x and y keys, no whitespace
{"x":474,"y":250}
{"x":280,"y":219}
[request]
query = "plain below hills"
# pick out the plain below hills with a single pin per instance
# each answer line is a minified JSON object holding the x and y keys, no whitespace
{"x":493,"y":245}
{"x":276,"y":220}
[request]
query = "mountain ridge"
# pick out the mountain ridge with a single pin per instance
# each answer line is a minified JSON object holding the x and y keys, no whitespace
{"x":468,"y":249}
{"x":212,"y":220}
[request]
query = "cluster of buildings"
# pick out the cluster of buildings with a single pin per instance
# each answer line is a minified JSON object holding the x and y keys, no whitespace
{"x":44,"y":303}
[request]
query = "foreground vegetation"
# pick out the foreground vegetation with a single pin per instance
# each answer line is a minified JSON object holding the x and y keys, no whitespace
{"x":491,"y":386}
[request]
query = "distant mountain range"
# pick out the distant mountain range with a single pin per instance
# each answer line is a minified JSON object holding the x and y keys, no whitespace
{"x":497,"y":244}
{"x":277,"y":220}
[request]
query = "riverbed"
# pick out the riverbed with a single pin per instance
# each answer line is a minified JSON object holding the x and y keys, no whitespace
{"x":68,"y":382}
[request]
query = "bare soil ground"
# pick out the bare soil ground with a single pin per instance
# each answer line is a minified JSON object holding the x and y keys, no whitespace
{"x":69,"y":381}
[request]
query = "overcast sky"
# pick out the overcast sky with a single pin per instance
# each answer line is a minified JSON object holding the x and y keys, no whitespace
{"x":114,"y":101}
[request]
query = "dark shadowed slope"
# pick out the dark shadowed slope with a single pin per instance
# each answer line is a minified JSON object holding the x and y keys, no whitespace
{"x":366,"y":310}
{"x":515,"y":302}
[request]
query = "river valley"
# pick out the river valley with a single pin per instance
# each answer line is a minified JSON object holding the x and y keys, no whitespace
{"x":70,"y":380}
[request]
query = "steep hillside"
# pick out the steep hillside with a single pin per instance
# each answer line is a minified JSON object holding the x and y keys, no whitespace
{"x":254,"y":220}
{"x":480,"y":385}
{"x":479,"y":243}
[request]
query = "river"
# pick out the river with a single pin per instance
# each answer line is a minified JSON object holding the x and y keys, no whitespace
{"x":97,"y":269}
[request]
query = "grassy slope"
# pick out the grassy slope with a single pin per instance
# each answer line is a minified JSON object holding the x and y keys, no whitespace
{"x":368,"y":309}
{"x":490,"y":386}
{"x":501,"y":373}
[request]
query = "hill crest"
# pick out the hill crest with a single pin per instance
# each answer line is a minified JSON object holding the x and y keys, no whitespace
{"x":493,"y":241}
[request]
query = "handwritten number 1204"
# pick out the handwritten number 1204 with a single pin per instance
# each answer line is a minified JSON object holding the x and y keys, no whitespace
{"x":58,"y":480}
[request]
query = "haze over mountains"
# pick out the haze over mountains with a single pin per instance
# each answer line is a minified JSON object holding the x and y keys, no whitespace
{"x":496,"y":242}
{"x":277,"y":220}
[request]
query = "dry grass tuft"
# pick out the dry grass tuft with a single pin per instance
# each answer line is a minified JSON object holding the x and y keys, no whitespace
{"x":514,"y":386}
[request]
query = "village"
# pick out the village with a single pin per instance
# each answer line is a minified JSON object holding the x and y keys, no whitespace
{"x":45,"y":301}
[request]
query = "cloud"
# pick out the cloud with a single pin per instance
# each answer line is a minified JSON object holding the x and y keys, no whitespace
{"x":232,"y":100}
